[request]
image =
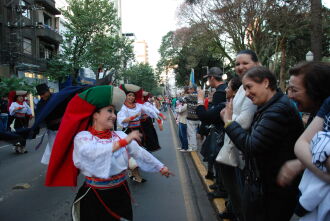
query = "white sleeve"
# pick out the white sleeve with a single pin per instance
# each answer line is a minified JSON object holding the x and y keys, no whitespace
{"x":145,"y":160}
{"x":149,"y":111}
{"x":181,"y":108}
{"x":154,"y":108}
{"x":12,"y":107}
{"x":122,"y":116}
{"x":246,"y":115}
{"x":91,"y":155}
{"x":28,"y":109}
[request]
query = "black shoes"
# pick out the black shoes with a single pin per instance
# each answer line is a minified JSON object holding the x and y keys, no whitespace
{"x":227,"y":215}
{"x":209,"y":176}
{"x":217,"y":194}
{"x":213,"y":186}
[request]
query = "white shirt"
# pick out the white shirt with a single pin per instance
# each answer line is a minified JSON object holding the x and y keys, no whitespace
{"x":126,"y":112}
{"x":25,"y":109}
{"x":94,"y":156}
{"x":243,"y":112}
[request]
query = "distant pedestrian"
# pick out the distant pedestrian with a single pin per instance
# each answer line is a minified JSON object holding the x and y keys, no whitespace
{"x":22,"y":113}
{"x":193,"y":121}
{"x":4,"y":113}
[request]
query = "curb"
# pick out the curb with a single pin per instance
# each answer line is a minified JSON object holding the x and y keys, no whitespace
{"x":218,"y":203}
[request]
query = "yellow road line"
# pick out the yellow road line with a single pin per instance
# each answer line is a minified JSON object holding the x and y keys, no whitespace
{"x":219,"y":203}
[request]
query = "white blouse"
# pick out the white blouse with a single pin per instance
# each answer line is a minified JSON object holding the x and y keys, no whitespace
{"x":25,"y":108}
{"x":94,"y":156}
{"x":126,"y":112}
{"x":151,"y":106}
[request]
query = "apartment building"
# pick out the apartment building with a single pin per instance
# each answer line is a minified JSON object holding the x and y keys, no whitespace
{"x":28,"y":37}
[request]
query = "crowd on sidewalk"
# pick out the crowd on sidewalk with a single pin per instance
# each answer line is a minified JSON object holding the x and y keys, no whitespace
{"x":265,"y":159}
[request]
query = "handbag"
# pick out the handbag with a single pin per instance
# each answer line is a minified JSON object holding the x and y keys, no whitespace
{"x":252,"y":196}
{"x":212,"y":144}
{"x":230,"y":155}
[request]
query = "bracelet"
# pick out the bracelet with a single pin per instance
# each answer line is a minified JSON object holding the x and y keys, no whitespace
{"x":122,"y":142}
{"x":228,"y":123}
{"x":131,"y":118}
{"x":161,"y":115}
{"x":161,"y":170}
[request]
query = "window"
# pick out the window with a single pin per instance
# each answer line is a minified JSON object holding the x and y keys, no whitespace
{"x":47,"y":20}
{"x":45,"y":52}
{"x":27,"y":46}
{"x":25,"y":9}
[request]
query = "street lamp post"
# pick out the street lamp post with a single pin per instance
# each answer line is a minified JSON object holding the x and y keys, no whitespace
{"x":309,"y":56}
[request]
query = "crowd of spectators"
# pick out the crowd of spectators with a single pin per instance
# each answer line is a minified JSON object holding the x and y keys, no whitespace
{"x":255,"y":142}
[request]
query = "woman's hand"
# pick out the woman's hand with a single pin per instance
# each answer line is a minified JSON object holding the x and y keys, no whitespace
{"x":289,"y":171}
{"x":134,"y":135}
{"x":165,"y":172}
{"x":227,"y":113}
{"x":137,"y":115}
{"x":200,"y":95}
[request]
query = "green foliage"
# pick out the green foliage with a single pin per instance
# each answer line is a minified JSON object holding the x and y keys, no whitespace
{"x":277,"y":30}
{"x":14,"y":83}
{"x":92,"y":37}
{"x":110,"y":51}
{"x":58,"y":69}
{"x":143,"y":76}
{"x":189,"y":48}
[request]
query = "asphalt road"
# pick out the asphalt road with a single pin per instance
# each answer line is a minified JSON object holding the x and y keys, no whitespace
{"x":181,"y":197}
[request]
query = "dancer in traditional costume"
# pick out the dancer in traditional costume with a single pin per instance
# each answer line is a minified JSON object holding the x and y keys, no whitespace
{"x":129,"y":118}
{"x":151,"y":141}
{"x":21,"y":113}
{"x":85,"y":141}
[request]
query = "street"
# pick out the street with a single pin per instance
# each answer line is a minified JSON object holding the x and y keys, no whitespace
{"x":181,"y":197}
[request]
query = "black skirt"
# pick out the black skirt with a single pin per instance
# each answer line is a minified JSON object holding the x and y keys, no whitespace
{"x":151,"y":138}
{"x":117,"y":199}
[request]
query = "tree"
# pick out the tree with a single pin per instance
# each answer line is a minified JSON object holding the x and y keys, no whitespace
{"x":142,"y":75}
{"x":57,"y":69}
{"x":188,"y":48}
{"x":316,"y":29}
{"x":109,"y":51}
{"x":92,"y":37}
{"x":269,"y":27}
{"x":14,"y":83}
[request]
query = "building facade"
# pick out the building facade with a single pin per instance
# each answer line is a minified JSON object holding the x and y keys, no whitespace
{"x":28,"y":37}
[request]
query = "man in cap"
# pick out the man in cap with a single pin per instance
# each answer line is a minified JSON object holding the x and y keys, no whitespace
{"x":211,"y":116}
{"x":214,"y":77}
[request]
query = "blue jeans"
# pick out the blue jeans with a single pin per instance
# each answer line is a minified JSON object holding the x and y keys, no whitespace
{"x":3,"y":122}
{"x":183,"y":136}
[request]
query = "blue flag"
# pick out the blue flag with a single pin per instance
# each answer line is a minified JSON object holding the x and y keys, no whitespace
{"x":192,"y":77}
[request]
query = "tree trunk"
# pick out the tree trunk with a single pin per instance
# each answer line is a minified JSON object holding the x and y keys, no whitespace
{"x":283,"y":64}
{"x":316,"y":29}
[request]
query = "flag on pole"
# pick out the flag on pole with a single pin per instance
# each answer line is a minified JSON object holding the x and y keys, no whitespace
{"x":192,"y":77}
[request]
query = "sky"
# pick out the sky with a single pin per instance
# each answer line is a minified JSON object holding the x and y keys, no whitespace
{"x":149,"y":20}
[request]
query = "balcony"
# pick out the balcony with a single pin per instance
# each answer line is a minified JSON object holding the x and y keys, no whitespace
{"x":49,"y":6}
{"x":48,"y":34}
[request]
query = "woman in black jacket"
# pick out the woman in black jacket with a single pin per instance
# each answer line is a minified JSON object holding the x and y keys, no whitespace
{"x":275,"y":128}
